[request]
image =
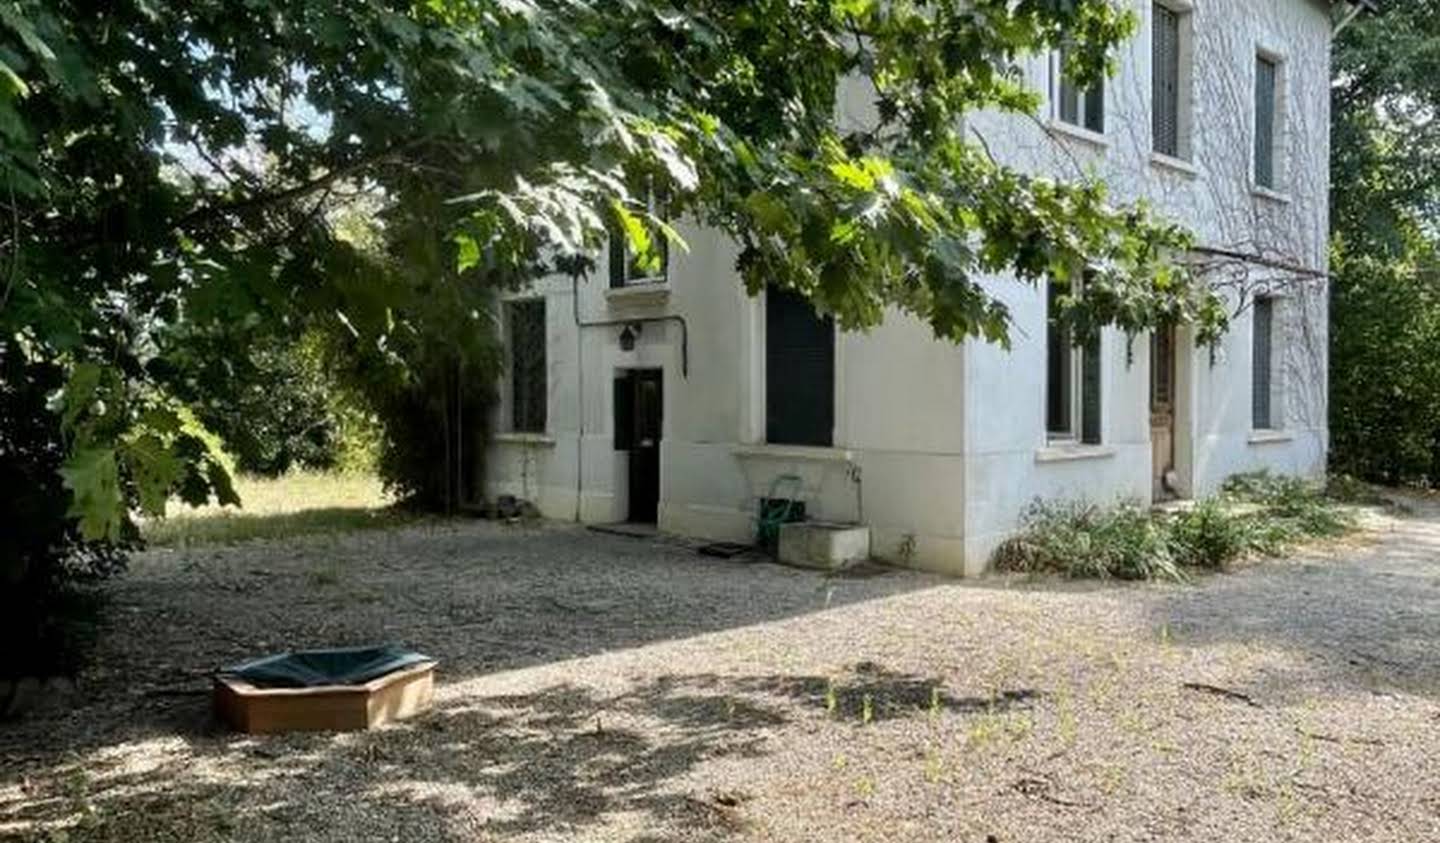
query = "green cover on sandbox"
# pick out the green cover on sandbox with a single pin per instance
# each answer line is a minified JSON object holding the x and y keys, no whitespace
{"x":313,"y":668}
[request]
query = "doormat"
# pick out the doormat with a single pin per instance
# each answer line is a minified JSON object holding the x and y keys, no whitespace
{"x":629,"y":531}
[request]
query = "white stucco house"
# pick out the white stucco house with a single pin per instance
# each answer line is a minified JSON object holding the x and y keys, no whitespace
{"x":683,"y":401}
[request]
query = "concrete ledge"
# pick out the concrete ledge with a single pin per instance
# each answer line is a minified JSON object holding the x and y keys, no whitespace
{"x":793,"y":452}
{"x":540,"y":439}
{"x":829,"y":547}
{"x":1269,"y":437}
{"x":1069,"y":453}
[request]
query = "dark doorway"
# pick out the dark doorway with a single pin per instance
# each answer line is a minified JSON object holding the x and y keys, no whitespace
{"x":639,"y":403}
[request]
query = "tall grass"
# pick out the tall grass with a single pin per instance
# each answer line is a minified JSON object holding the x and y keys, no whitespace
{"x":295,"y":504}
{"x":1255,"y":515}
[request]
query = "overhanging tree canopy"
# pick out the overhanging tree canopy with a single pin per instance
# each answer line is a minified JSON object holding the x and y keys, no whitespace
{"x":166,"y":167}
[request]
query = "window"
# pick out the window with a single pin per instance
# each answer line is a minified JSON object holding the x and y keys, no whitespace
{"x":1262,"y":406}
{"x":1084,"y":108}
{"x":1267,"y":114}
{"x":526,"y":320}
{"x":624,"y":271}
{"x":1072,"y":380}
{"x":799,"y":371}
{"x":1166,"y":82}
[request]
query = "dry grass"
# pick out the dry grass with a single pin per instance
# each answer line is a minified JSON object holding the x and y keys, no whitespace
{"x":276,"y":508}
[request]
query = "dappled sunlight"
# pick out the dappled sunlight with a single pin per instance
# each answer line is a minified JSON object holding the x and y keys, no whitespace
{"x":296,"y":504}
{"x":596,"y":687}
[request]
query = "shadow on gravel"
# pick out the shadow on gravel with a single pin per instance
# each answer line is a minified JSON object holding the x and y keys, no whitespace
{"x":482,"y":598}
{"x":1365,"y":616}
{"x":560,"y":760}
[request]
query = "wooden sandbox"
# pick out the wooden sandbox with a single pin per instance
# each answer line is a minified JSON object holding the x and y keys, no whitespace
{"x":394,"y":696}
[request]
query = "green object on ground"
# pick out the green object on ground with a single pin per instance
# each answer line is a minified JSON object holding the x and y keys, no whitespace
{"x":778,"y":508}
{"x":313,"y":668}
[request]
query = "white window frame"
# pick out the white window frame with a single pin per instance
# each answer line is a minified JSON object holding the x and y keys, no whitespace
{"x":1279,"y":340}
{"x":1082,"y":101}
{"x":1075,"y":433}
{"x":1279,"y":140}
{"x":511,"y":401}
{"x":654,"y":206}
{"x":1184,"y":155}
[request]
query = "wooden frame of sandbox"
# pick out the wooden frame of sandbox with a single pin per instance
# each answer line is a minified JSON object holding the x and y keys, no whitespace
{"x":325,"y":708}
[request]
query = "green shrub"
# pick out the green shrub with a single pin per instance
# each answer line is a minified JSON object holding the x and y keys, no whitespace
{"x":1256,"y":514}
{"x":1291,"y":508}
{"x":1211,"y":536}
{"x":1085,"y":541}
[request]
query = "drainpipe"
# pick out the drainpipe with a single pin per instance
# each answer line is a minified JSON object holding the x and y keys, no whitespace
{"x":580,"y":375}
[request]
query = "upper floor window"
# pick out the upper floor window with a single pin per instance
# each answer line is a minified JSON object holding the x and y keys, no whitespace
{"x":1267,"y":119}
{"x":1262,"y":362}
{"x":1170,"y":82}
{"x":1083,"y":107}
{"x":1072,"y":380}
{"x":526,"y":322}
{"x":624,"y":269}
{"x":799,"y":371}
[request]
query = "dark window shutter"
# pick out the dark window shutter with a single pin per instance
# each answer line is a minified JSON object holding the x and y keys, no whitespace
{"x":527,"y":365}
{"x":1265,"y":91}
{"x":799,"y":371}
{"x":619,"y":263}
{"x":1264,"y":319}
{"x":1095,"y":108}
{"x":1069,"y":103}
{"x":624,"y":389}
{"x":1090,"y":392}
{"x":1165,"y":86}
{"x":1058,"y":367}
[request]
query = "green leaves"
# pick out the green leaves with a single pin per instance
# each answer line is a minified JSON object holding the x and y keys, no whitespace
{"x":93,"y":478}
{"x":192,"y":209}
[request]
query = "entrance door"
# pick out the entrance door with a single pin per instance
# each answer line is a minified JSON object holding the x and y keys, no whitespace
{"x":638,"y":407}
{"x":1162,"y":412}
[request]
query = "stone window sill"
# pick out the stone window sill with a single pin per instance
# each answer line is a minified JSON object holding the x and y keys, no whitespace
{"x":1071,"y":452}
{"x":1270,"y":194}
{"x":1268,"y":437}
{"x":513,"y":438}
{"x":1174,"y":165}
{"x":793,"y":452}
{"x":639,"y":292}
{"x":1080,"y":133}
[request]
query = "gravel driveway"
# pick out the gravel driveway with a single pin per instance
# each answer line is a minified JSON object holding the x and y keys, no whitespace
{"x":596,"y":687}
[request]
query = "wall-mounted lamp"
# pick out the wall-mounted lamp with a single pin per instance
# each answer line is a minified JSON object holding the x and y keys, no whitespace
{"x":628,"y":335}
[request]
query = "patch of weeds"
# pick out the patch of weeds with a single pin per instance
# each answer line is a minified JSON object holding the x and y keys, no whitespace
{"x":934,"y":766}
{"x":1290,"y":509}
{"x":1255,"y":514}
{"x":1210,"y":536}
{"x":1065,"y":724}
{"x":1086,"y":541}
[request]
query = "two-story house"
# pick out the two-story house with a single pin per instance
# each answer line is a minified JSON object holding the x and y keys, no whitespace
{"x":681,"y":400}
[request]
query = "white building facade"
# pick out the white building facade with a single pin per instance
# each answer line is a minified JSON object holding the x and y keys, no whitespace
{"x":681,"y":399}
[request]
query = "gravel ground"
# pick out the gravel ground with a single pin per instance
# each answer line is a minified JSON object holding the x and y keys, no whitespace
{"x":595,"y":687}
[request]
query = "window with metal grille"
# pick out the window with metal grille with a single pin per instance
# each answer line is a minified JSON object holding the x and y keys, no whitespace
{"x":1263,"y":319}
{"x":526,"y":320}
{"x":1165,"y":82}
{"x":799,"y":371}
{"x":1072,"y":380}
{"x":624,"y":268}
{"x":1267,"y":74}
{"x":1076,"y":106}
